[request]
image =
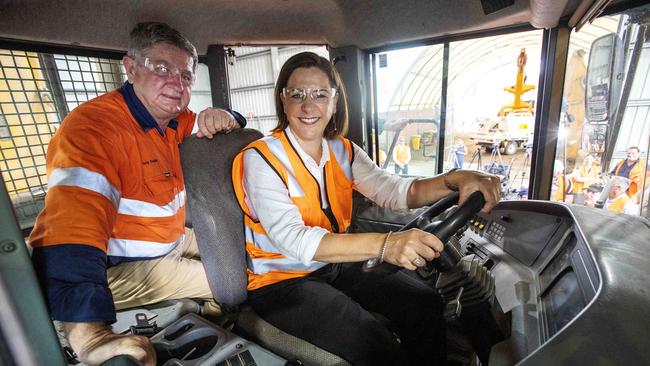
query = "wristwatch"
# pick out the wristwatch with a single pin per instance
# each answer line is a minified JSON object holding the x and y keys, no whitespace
{"x":449,"y":185}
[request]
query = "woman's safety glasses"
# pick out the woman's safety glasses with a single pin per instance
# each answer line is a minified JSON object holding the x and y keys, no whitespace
{"x":299,"y":95}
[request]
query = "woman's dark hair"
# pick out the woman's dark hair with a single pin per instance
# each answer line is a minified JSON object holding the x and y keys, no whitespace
{"x":338,"y":124}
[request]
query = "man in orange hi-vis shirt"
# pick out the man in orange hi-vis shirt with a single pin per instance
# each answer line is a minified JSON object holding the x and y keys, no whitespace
{"x":112,"y":232}
{"x":632,"y":169}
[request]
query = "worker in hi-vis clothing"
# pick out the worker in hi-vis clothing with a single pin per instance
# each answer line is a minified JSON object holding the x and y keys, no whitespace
{"x":112,"y":232}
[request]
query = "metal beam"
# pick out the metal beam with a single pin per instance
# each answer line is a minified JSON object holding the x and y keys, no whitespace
{"x":372,"y":118}
{"x":442,"y":125}
{"x":218,"y":70}
{"x":56,"y":88}
{"x":350,"y":63}
{"x":555,"y":47}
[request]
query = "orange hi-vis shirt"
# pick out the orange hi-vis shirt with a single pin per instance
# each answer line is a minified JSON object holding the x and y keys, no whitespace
{"x":114,"y":184}
{"x":266,"y":264}
{"x":634,"y":175}
{"x":584,"y":172}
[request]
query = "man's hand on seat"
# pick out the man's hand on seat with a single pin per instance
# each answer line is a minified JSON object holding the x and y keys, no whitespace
{"x":95,"y":343}
{"x":215,"y":120}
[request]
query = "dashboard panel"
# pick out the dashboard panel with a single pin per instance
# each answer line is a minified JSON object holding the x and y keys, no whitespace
{"x":571,"y":280}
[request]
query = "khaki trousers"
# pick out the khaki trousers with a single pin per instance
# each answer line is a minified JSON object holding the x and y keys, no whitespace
{"x":178,"y":275}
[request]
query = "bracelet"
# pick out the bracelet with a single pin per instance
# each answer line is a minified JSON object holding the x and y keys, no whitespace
{"x":449,"y":185}
{"x":383,"y":247}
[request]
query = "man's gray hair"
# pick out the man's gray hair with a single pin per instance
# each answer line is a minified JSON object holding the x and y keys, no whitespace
{"x":147,"y":34}
{"x":622,"y":182}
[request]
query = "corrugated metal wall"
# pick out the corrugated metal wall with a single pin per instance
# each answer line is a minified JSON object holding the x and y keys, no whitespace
{"x":635,"y":127}
{"x":252,"y":81}
{"x":201,"y":96}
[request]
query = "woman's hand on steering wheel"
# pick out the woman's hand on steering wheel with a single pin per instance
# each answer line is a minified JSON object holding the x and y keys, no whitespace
{"x":412,"y":248}
{"x":470,"y":181}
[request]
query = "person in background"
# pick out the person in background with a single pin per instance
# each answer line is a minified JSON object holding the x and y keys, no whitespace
{"x":642,"y":196}
{"x":630,"y":168}
{"x":585,"y":176}
{"x":459,"y":152}
{"x":402,"y":156}
{"x":112,"y":232}
{"x":618,"y":200}
{"x":304,"y":271}
{"x":591,"y":195}
{"x":523,"y":193}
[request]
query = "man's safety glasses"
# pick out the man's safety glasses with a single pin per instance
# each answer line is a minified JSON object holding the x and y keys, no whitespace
{"x":299,"y":95}
{"x":166,"y":71}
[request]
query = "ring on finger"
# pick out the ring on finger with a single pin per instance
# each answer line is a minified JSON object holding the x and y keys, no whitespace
{"x":418,"y":262}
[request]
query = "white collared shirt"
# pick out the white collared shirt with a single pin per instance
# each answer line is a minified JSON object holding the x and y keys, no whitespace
{"x":269,"y":198}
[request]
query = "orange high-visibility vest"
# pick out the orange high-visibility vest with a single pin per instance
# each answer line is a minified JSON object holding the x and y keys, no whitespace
{"x":266,"y":263}
{"x":578,"y":187}
{"x":401,"y":154}
{"x":634,"y":177}
{"x":113,"y":185}
{"x":619,"y":203}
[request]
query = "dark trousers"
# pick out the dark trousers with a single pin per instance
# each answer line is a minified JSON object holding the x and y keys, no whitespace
{"x":331,"y":308}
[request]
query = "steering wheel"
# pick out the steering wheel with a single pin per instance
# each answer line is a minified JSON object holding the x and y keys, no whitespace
{"x":443,"y":231}
{"x":121,"y":360}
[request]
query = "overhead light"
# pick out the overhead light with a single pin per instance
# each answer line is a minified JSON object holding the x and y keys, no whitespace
{"x":230,"y":56}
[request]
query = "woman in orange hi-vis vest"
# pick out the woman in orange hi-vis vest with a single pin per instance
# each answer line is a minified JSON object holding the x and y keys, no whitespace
{"x":295,"y":187}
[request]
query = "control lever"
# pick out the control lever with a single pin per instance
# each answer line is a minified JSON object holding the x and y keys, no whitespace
{"x":143,"y":327}
{"x":70,"y":356}
{"x":469,"y":284}
{"x":453,"y":307}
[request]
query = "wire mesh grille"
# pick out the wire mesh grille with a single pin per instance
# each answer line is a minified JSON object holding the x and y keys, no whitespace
{"x":83,"y":78}
{"x":37,"y":91}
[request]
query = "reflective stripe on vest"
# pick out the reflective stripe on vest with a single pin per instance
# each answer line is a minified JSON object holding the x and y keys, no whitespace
{"x":275,"y":145}
{"x":342,"y":156}
{"x":84,"y":178}
{"x":142,"y":208}
{"x":266,"y":264}
{"x":96,"y":182}
{"x":140,"y":248}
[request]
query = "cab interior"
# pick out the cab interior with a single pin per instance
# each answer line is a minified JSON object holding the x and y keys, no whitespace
{"x":566,"y":284}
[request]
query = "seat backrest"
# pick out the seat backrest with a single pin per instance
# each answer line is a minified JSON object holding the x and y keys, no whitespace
{"x":218,"y":223}
{"x":216,"y":216}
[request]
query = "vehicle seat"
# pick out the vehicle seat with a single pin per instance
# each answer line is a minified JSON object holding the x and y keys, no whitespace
{"x":218,"y":223}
